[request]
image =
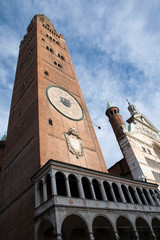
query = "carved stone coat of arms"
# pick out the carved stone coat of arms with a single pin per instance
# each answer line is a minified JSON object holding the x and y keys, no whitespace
{"x":74,"y":142}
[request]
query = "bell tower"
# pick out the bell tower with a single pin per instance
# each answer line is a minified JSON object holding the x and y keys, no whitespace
{"x":48,"y":120}
{"x":115,"y":119}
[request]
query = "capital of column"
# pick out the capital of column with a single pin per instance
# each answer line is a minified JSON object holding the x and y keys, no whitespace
{"x":154,"y":236}
{"x":117,"y":235}
{"x":91,"y":236}
{"x":59,"y":236}
{"x":137,"y":235}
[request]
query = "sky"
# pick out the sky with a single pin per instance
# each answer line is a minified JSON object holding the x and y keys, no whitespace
{"x":115,"y":49}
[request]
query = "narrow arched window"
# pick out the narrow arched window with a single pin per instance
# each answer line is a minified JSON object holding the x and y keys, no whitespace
{"x":140,"y":195}
{"x":49,"y":188}
{"x":146,"y":195}
{"x":50,"y":121}
{"x":107,"y":189}
{"x":116,"y":192}
{"x":40,"y":192}
{"x":97,"y":191}
{"x":60,"y":183}
{"x":86,"y":188}
{"x":126,"y":194}
{"x":131,"y":190}
{"x":73,"y":186}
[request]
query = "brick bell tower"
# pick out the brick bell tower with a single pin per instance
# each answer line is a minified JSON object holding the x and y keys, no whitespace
{"x":115,"y":120}
{"x":48,"y":120}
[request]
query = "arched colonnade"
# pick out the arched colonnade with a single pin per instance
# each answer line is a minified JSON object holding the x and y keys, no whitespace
{"x":76,"y":186}
{"x":76,"y":227}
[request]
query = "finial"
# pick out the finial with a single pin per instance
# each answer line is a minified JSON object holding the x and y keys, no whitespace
{"x":128,"y":101}
{"x":109,"y":105}
{"x":132,"y":108}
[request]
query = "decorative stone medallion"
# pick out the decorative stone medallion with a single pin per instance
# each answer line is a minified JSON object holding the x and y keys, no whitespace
{"x":74,"y":142}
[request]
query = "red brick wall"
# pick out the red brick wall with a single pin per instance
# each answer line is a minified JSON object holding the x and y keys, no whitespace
{"x":121,"y":168}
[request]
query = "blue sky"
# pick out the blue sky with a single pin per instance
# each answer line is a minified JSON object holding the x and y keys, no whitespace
{"x":115,"y":49}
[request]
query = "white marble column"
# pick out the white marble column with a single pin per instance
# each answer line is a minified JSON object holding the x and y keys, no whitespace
{"x":137,"y":235}
{"x":92,"y":191}
{"x":113,"y":194}
{"x":44,"y":189}
{"x":68,"y":187}
{"x":144,"y":198}
{"x":156,"y":199}
{"x":130,"y":197}
{"x":153,"y":234}
{"x":80,"y":188}
{"x":117,"y":235}
{"x":59,"y":236}
{"x":91,"y":236}
{"x":121,"y":194}
{"x":150,"y":198}
{"x":137,"y":197}
{"x":104,"y":196}
{"x":53,"y":182}
{"x":36,"y":195}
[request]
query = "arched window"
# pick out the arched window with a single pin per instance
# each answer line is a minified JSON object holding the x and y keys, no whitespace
{"x":61,"y":184}
{"x":157,"y":194}
{"x":50,"y":121}
{"x":125,"y":229}
{"x":46,"y":231}
{"x":153,"y":197}
{"x":116,"y":192}
{"x":74,"y":228}
{"x":143,"y":229}
{"x":156,"y":227}
{"x":40,"y":192}
{"x":107,"y":189}
{"x":132,"y":192}
{"x":46,"y":73}
{"x":97,"y":191}
{"x":125,"y":192}
{"x":146,"y":195}
{"x":73,"y":186}
{"x":49,"y":188}
{"x":86,"y":188}
{"x":140,"y":195}
{"x":102,"y":229}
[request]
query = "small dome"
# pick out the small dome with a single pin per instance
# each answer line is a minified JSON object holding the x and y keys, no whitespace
{"x":3,"y":138}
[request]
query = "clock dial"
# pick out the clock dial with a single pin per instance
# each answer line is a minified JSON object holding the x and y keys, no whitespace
{"x":65,"y":103}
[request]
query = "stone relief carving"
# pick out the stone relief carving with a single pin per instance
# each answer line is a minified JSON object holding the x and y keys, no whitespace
{"x":147,"y":131}
{"x":74,"y":142}
{"x":123,"y":128}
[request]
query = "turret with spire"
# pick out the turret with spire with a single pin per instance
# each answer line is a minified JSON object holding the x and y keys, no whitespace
{"x":117,"y":123}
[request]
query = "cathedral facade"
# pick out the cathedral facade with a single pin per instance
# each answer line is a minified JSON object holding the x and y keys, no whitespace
{"x":140,"y":145}
{"x":54,"y":183}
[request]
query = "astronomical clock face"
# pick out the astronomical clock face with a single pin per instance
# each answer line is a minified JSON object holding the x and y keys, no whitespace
{"x":64,"y":103}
